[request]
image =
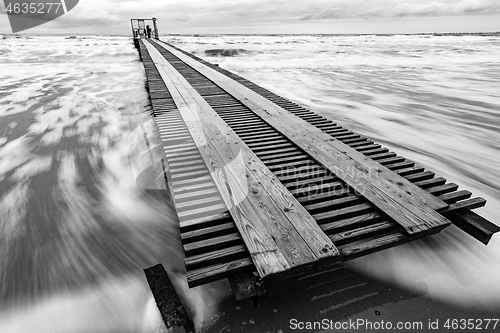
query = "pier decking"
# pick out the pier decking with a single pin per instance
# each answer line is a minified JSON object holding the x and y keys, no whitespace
{"x":265,"y":186}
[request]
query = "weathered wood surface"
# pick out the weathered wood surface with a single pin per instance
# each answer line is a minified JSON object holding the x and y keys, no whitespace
{"x":221,"y":270}
{"x":169,"y":304}
{"x":410,"y":206}
{"x":475,"y":225}
{"x":278,"y":231}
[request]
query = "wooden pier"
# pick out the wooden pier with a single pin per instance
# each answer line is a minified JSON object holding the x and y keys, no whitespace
{"x":265,"y":189}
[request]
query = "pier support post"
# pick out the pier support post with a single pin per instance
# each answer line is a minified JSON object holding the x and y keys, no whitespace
{"x":245,"y":286}
{"x":171,"y":309}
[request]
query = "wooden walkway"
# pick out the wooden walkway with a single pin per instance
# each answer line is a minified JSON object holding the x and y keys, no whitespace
{"x":263,"y":185}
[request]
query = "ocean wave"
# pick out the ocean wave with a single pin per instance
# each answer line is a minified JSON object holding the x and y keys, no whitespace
{"x":225,"y":52}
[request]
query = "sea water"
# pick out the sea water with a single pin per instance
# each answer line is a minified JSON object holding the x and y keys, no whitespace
{"x":76,"y":229}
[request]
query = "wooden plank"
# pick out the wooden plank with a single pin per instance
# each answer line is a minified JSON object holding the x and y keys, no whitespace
{"x":410,"y":206}
{"x":358,"y":233}
{"x":204,"y":222}
{"x":216,"y":257}
{"x":455,"y":196}
{"x":464,"y":205}
{"x":295,"y":177}
{"x":343,"y":213}
{"x":212,"y":244}
{"x":280,"y":211}
{"x":188,"y":196}
{"x":203,"y":233}
{"x":362,"y":248}
{"x":352,"y":222}
{"x":475,"y":225}
{"x":213,"y":208}
{"x":334,"y":204}
{"x":218,"y":271}
{"x":196,"y":202}
{"x":206,"y":183}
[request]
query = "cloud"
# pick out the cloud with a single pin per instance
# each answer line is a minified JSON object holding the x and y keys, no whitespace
{"x":189,"y":15}
{"x":324,"y":15}
{"x":90,"y":13}
{"x":397,"y":8}
{"x":180,"y":17}
{"x":90,"y":18}
{"x":437,"y":8}
{"x":432,"y":8}
{"x":472,"y":6}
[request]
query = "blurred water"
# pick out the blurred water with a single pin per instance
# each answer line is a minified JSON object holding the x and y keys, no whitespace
{"x":76,"y":231}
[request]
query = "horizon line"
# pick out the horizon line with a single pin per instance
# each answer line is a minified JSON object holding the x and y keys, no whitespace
{"x":256,"y":34}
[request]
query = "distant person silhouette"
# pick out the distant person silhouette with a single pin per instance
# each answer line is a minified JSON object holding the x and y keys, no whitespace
{"x":149,"y":31}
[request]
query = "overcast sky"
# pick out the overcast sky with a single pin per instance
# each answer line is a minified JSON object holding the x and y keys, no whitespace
{"x":277,"y":16}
